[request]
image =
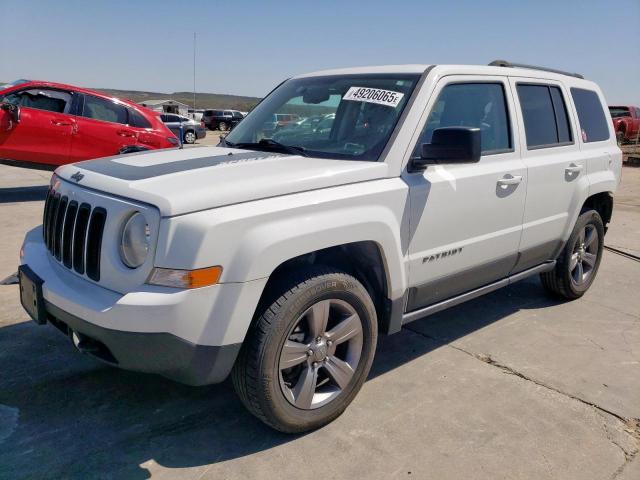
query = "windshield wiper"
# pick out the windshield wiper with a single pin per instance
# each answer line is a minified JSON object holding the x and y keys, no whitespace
{"x":271,"y":144}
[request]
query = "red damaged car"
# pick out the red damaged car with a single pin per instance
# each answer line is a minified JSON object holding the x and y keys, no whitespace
{"x":626,"y":123}
{"x":45,"y":124}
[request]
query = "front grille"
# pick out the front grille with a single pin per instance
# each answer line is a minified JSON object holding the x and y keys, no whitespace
{"x":73,"y":233}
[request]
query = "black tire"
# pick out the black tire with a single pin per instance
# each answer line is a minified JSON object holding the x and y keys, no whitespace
{"x":222,"y":126}
{"x":190,"y":136}
{"x":561,"y":281}
{"x":620,"y":137}
{"x":258,"y":374}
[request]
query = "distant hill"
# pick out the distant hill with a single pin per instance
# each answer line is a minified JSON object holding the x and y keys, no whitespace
{"x":203,"y":100}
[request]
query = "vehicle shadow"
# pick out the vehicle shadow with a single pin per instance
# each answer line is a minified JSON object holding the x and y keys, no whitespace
{"x":63,"y":414}
{"x":23,"y":194}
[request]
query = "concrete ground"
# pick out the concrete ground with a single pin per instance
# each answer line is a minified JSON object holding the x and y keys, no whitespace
{"x":511,"y":385}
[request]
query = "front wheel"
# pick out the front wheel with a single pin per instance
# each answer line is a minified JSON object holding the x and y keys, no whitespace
{"x":309,"y":352}
{"x":577,"y":265}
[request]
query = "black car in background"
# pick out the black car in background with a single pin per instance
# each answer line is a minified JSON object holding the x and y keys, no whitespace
{"x":221,"y":119}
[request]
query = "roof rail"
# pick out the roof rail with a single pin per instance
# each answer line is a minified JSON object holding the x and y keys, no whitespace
{"x":504,"y":63}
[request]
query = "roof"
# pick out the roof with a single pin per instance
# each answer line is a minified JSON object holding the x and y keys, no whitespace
{"x":443,"y":70}
{"x":64,"y":86}
{"x":372,"y":69}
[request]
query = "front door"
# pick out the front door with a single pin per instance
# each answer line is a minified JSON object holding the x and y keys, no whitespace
{"x":466,"y":219}
{"x":44,"y":131}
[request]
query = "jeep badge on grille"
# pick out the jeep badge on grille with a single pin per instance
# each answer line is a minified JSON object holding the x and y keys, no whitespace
{"x":77,"y":176}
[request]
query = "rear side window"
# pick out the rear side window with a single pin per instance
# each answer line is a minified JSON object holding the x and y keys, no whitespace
{"x":546,"y":122}
{"x":593,"y":122}
{"x":480,"y":105}
{"x":105,"y":110}
{"x":137,"y":120}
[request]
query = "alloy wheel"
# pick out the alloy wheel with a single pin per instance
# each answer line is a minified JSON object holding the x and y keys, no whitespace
{"x":321,"y":354}
{"x":585,"y":255}
{"x":189,"y":137}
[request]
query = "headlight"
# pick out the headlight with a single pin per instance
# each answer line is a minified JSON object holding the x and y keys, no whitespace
{"x":134,"y":244}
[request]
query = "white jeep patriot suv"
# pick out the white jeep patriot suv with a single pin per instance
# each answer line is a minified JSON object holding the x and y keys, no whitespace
{"x":280,"y":255}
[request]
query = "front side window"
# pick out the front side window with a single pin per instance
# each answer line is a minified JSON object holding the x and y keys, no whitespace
{"x":478,"y":105}
{"x":593,"y":122}
{"x":338,"y":116}
{"x":41,"y":99}
{"x":546,"y":121}
{"x":105,"y":110}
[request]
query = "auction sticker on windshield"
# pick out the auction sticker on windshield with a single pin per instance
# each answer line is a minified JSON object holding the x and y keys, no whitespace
{"x":374,"y":95}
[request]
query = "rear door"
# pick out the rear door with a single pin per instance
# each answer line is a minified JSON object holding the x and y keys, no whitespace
{"x":556,"y":168}
{"x":44,"y":131}
{"x":145,"y":133}
{"x":466,"y":218}
{"x":102,"y":129}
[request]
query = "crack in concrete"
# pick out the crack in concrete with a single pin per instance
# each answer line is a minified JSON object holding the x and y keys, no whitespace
{"x":632,"y":425}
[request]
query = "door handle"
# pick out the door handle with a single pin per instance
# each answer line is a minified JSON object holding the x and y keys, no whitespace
{"x":573,"y":168}
{"x":510,"y":180}
{"x":60,"y":123}
{"x":126,"y":133}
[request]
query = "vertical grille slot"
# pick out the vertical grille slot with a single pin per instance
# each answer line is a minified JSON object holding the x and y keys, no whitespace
{"x":47,"y":206}
{"x":94,"y":242}
{"x":57,"y":230}
{"x":52,"y":215}
{"x":67,"y":233}
{"x":80,"y":236}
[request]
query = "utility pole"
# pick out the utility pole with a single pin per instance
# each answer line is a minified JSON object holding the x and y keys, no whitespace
{"x":194,"y":75}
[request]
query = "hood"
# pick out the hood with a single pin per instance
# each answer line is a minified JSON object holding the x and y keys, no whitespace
{"x":180,"y":181}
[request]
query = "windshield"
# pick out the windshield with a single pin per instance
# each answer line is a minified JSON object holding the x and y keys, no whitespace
{"x":617,"y":112}
{"x":14,"y":83}
{"x":344,"y":117}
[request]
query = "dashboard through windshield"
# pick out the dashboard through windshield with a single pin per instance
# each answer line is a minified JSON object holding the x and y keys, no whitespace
{"x":341,"y":116}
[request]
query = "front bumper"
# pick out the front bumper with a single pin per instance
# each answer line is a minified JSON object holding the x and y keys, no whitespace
{"x":160,"y":353}
{"x":191,"y":336}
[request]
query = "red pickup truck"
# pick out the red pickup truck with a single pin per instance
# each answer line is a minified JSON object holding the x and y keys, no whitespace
{"x":626,"y":123}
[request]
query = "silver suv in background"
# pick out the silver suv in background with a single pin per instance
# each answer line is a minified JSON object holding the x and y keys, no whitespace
{"x":192,"y":130}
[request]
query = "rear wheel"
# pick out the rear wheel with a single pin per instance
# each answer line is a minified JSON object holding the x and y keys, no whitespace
{"x":222,"y":126}
{"x":577,"y":266}
{"x":620,"y":137}
{"x":189,"y":136}
{"x":309,"y":352}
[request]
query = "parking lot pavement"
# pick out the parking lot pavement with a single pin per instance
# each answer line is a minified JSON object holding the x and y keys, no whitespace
{"x":511,"y":385}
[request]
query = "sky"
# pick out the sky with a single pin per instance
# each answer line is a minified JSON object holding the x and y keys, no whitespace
{"x":246,"y":47}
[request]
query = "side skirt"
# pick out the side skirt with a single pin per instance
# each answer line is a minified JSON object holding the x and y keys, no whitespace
{"x":437,"y":307}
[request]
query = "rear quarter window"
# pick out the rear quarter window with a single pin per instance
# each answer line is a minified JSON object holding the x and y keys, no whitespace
{"x":593,"y":121}
{"x":136,"y":119}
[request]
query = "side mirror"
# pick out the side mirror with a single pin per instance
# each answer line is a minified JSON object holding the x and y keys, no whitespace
{"x":13,"y":110}
{"x":450,"y":145}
